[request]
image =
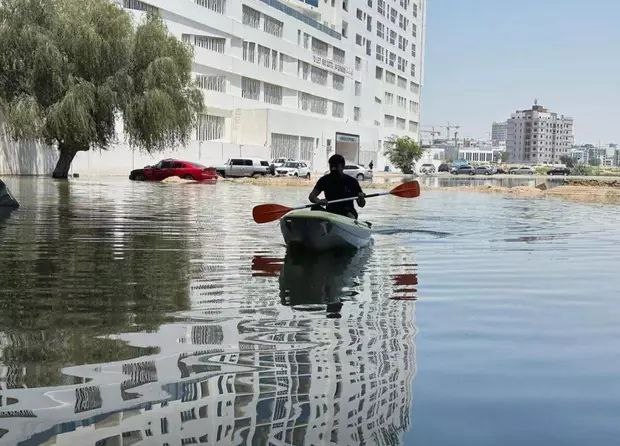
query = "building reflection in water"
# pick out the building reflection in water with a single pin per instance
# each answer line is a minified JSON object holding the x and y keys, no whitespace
{"x":250,"y":367}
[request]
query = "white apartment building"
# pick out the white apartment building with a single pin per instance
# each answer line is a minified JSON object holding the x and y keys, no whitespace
{"x":292,"y":78}
{"x":538,"y":136}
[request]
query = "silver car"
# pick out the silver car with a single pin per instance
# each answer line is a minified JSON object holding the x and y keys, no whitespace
{"x":356,"y":171}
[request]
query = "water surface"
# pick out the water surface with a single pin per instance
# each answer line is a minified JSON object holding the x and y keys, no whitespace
{"x":137,"y":313}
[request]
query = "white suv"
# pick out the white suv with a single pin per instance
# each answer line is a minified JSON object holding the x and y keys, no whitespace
{"x":294,"y":169}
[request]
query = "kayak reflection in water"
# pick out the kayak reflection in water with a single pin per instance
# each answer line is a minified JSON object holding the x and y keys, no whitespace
{"x":320,"y":281}
{"x":336,"y":185}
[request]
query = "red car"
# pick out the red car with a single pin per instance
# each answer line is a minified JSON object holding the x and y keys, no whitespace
{"x":174,"y":168}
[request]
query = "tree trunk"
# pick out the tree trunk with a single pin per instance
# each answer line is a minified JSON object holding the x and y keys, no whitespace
{"x":64,"y":163}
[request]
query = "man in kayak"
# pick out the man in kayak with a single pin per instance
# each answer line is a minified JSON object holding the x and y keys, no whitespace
{"x":335,"y":185}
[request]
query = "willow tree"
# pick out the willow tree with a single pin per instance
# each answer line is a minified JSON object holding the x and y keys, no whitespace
{"x":71,"y":69}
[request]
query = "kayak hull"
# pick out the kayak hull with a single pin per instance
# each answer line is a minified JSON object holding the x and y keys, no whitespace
{"x":322,"y":231}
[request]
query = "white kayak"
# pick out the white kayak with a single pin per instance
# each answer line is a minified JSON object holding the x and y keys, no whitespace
{"x":320,"y":231}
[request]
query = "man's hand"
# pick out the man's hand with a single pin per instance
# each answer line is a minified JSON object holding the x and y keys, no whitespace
{"x":361,"y":199}
{"x":322,"y":202}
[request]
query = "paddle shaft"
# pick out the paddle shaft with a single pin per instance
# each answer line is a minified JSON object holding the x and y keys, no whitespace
{"x":342,"y":200}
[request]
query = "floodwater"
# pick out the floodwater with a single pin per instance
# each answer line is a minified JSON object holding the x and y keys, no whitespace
{"x":138,"y":313}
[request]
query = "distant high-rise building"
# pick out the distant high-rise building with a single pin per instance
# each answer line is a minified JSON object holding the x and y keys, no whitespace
{"x":498,"y":133}
{"x":538,"y":136}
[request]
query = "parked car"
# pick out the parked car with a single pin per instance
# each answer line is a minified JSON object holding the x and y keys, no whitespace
{"x":521,"y":170}
{"x":294,"y":169}
{"x":278,"y":162}
{"x":463,"y":170}
{"x":444,"y":167}
{"x":244,"y":167}
{"x":559,"y":171}
{"x":485,"y":170}
{"x":427,"y":168}
{"x":174,"y":168}
{"x":357,"y":171}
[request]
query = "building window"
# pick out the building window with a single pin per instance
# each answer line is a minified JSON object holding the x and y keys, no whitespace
{"x":380,"y":30}
{"x":250,"y":88}
{"x":402,"y":102}
{"x":413,"y":127}
{"x":400,"y":123}
{"x":402,"y":64}
{"x":381,"y":7}
{"x":358,"y":63}
{"x":218,"y":6}
{"x":392,"y":59}
{"x":251,"y":17}
{"x":209,"y":127}
{"x":388,"y":120}
{"x":379,"y":53}
{"x":393,"y":15}
{"x":338,"y":82}
{"x":312,"y":103}
{"x":272,"y":26}
{"x":359,"y":14}
{"x":339,"y":55}
{"x":389,"y":98}
{"x":248,"y":51}
{"x":358,"y":40}
{"x":210,"y":43}
{"x":211,"y":83}
{"x":356,"y":113}
{"x":413,"y":70}
{"x":272,"y":94}
{"x":318,"y":76}
{"x":402,"y":82}
{"x":358,"y":88}
{"x":390,"y":77}
{"x":369,"y":48}
{"x":139,"y":6}
{"x":304,"y":69}
{"x":264,"y":56}
{"x":413,"y":49}
{"x":414,"y":30}
{"x":319,"y":47}
{"x":337,"y":109}
{"x":393,"y":37}
{"x":345,"y":29}
{"x":379,"y":73}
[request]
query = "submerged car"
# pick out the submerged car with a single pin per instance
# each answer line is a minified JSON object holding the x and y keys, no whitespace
{"x":427,"y":168}
{"x":444,"y":167}
{"x":278,"y":162}
{"x":356,"y":171}
{"x":559,"y":171}
{"x":521,"y":170}
{"x":485,"y":170}
{"x":463,"y":170}
{"x":243,"y":167}
{"x":174,"y":168}
{"x":294,"y":169}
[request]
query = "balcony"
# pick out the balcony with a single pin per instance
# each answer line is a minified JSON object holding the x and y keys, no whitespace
{"x":299,"y":16}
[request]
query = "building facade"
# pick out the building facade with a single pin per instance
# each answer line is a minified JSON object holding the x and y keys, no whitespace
{"x":498,"y":133}
{"x":296,"y":79}
{"x":538,"y":135}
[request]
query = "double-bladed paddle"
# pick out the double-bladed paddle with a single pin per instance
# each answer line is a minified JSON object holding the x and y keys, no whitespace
{"x":264,"y":213}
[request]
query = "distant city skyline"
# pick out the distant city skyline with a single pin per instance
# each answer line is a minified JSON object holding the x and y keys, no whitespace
{"x":487,"y":59}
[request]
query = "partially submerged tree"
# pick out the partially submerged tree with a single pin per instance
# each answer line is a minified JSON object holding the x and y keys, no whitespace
{"x":70,"y":68}
{"x":403,"y":152}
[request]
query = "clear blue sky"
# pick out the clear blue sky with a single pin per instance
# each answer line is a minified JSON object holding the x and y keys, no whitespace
{"x":487,"y":58}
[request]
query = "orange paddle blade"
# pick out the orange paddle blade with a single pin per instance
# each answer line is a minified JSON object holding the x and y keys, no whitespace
{"x":264,"y":213}
{"x":407,"y":190}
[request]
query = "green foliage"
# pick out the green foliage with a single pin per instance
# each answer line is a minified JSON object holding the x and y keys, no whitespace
{"x":594,"y":161}
{"x":70,"y":68}
{"x":582,"y":169}
{"x":403,"y":152}
{"x":505,"y":157}
{"x":567,"y":160}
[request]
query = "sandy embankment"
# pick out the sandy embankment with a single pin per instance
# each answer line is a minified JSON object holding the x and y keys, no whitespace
{"x":584,"y":190}
{"x":591,"y":194}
